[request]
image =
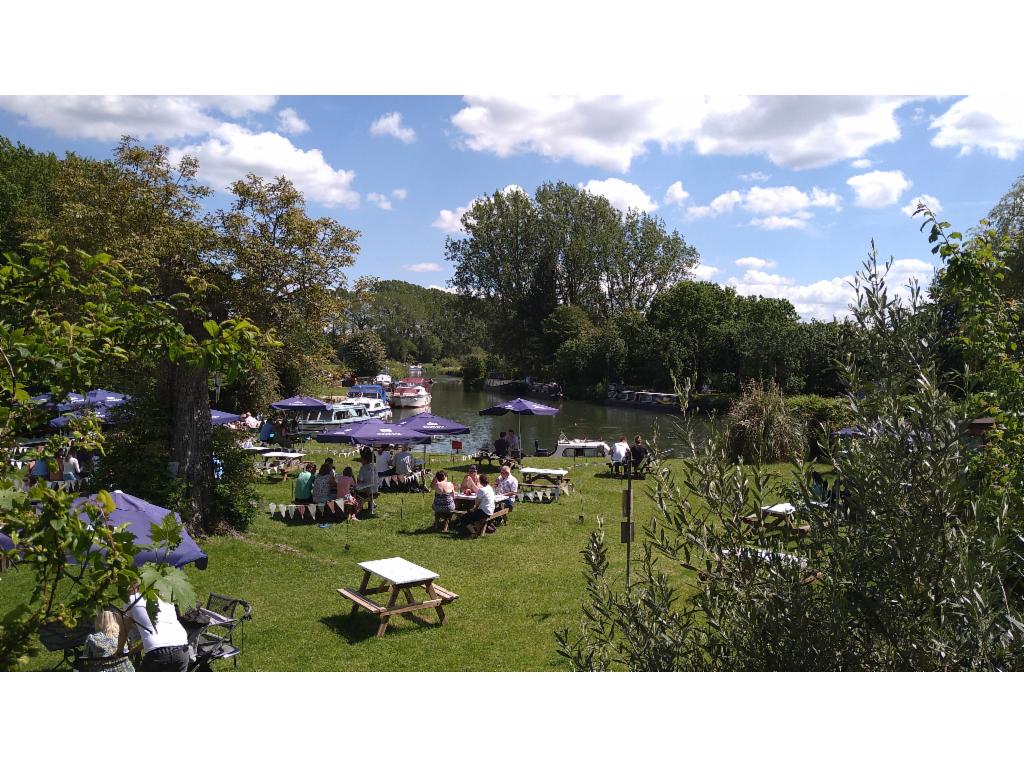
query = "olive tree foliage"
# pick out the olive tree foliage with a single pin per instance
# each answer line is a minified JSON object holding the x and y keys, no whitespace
{"x":910,"y":564}
{"x":65,"y":316}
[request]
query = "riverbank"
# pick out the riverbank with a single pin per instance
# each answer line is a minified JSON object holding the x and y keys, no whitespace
{"x":516,"y":586}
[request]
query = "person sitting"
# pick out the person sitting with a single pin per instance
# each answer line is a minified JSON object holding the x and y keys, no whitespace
{"x":501,"y":446}
{"x":304,"y":485}
{"x":475,"y":520}
{"x":268,"y":432}
{"x":638,"y":455}
{"x":507,"y":485}
{"x":444,"y":499}
{"x":514,"y":446}
{"x":40,"y":471}
{"x":324,"y":486}
{"x":403,"y":465}
{"x":165,"y":643}
{"x":108,"y":641}
{"x":384,"y":461}
{"x":470,"y":483}
{"x":620,"y":454}
{"x":346,"y":495}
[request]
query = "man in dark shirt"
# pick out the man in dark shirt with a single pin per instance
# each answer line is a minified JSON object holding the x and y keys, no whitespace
{"x":637,"y":454}
{"x":501,"y":446}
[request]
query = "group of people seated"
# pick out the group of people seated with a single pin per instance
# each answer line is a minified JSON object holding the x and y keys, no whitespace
{"x":507,"y":445}
{"x":478,"y":486}
{"x":629,"y":458}
{"x":319,"y":486}
{"x":64,"y":467}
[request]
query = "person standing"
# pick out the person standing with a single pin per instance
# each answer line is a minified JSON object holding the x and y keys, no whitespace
{"x":514,"y":445}
{"x":384,"y":461}
{"x":164,"y":643}
{"x":72,"y":470}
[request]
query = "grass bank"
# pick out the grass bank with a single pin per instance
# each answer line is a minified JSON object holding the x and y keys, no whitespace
{"x":516,"y":587}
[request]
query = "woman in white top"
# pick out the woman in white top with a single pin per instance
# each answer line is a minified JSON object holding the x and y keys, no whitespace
{"x":71,"y":468}
{"x":165,"y":643}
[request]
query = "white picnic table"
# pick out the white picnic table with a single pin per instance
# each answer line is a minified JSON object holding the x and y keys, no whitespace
{"x":256,"y":448}
{"x":398,"y":575}
{"x":470,"y":498}
{"x":556,"y":474}
{"x":782,"y":509}
{"x":282,"y":455}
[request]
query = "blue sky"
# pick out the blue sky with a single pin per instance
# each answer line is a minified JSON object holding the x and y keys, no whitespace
{"x":780,"y":195}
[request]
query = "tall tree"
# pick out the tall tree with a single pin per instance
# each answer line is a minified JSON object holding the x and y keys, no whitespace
{"x":286,"y":268}
{"x":148,"y":211}
{"x":646,"y":261}
{"x":26,"y":200}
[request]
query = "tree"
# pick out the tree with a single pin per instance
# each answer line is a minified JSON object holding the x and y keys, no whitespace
{"x":364,"y":353}
{"x":1007,"y":217}
{"x":645,"y":261}
{"x":26,"y":180}
{"x":285,"y":269}
{"x":65,"y":316}
{"x":148,"y":212}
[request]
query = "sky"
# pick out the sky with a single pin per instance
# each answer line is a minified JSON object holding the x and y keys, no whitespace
{"x":781,"y":195}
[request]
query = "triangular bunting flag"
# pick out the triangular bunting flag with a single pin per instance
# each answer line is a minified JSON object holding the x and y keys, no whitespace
{"x":312,"y":511}
{"x":273,"y":509}
{"x":291,"y":510}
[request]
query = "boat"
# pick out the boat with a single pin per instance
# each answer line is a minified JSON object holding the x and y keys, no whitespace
{"x":335,"y":415}
{"x":413,"y":392}
{"x":382,"y":378}
{"x":576,"y":448}
{"x":657,"y":401}
{"x":416,"y":369}
{"x":373,"y":397}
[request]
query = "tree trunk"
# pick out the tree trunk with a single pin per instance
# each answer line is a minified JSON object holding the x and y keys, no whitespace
{"x":191,"y":446}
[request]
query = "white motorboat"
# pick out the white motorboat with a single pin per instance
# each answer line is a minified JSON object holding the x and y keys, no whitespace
{"x":411,"y":393}
{"x":336,"y":415}
{"x":374,"y":406}
{"x":576,"y":448}
{"x":384,"y":379}
{"x":416,"y":369}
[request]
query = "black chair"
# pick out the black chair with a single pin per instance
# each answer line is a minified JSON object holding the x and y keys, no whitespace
{"x":222,"y":638}
{"x":68,"y":640}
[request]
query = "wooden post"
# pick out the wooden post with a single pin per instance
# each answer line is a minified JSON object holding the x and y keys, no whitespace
{"x":627,"y":512}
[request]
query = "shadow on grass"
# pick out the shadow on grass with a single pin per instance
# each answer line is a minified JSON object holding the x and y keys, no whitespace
{"x":362,"y":626}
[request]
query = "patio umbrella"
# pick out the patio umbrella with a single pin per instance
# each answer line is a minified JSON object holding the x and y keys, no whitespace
{"x":138,"y":515}
{"x":429,"y":424}
{"x":372,"y":432}
{"x":61,"y":422}
{"x":219,"y":418}
{"x":299,"y":403}
{"x":96,"y":398}
{"x":519,"y":406}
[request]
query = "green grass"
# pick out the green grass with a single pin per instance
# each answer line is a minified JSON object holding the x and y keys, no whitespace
{"x":516,"y":586}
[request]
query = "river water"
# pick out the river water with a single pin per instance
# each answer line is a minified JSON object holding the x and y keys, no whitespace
{"x":575,"y":418}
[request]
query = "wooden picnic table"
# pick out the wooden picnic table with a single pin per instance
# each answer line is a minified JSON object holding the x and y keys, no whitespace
{"x":558,"y":478}
{"x":398,"y":576}
{"x":782,"y":514}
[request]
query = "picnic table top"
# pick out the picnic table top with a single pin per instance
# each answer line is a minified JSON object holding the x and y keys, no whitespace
{"x":472,"y":497}
{"x":782,"y":509}
{"x":398,"y":570}
{"x":282,"y":455}
{"x":256,"y":448}
{"x":542,"y":472}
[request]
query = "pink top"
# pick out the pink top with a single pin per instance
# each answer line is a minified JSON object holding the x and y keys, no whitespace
{"x":345,"y":485}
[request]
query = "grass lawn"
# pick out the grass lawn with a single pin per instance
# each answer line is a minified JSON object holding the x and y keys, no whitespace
{"x":516,"y":586}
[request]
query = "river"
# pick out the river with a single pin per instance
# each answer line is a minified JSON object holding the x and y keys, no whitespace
{"x":575,"y":418}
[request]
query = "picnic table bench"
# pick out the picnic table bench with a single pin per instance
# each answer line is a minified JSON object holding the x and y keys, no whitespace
{"x":492,"y":458}
{"x":555,"y":478}
{"x":464,"y":504}
{"x":398,"y":576}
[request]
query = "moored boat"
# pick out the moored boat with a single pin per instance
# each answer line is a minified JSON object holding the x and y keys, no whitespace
{"x":335,"y":415}
{"x":575,"y":448}
{"x":413,"y":392}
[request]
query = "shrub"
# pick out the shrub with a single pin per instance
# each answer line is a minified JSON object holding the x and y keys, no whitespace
{"x":819,"y":417}
{"x":474,"y":367}
{"x":234,"y":492}
{"x":761,"y":429}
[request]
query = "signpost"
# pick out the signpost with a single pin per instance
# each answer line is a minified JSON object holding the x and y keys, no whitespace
{"x":626,"y":527}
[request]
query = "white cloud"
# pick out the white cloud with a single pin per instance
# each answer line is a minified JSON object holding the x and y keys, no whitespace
{"x":424,"y":266}
{"x":381,"y":201}
{"x":445,"y":288}
{"x":879,"y":188}
{"x":399,"y":194}
{"x":724,"y":203}
{"x":774,"y":207}
{"x":862,"y":163}
{"x":288,"y":121}
{"x":932,"y":202}
{"x":149,"y":118}
{"x":705,"y":271}
{"x":621,"y":194}
{"x":391,"y":125}
{"x":825,"y":299}
{"x":993,"y":124}
{"x":451,"y":221}
{"x":233,"y":151}
{"x":675,"y":195}
{"x":752,"y":262}
{"x":611,"y":131}
{"x":755,"y":176}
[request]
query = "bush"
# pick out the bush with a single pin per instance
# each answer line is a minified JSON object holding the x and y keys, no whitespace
{"x":761,"y":428}
{"x":234,"y":491}
{"x":820,"y":416}
{"x":363,"y":352}
{"x":474,"y":368}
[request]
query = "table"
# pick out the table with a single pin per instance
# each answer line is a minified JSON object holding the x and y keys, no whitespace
{"x":398,"y":576}
{"x":465,"y":502}
{"x":256,"y":448}
{"x":558,"y":478}
{"x":783,"y":516}
{"x":282,"y":455}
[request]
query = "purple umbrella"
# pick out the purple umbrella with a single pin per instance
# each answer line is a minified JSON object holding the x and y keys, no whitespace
{"x":61,"y":422}
{"x":300,"y":403}
{"x":139,"y":514}
{"x":219,"y":418}
{"x":519,"y":407}
{"x":429,"y":424}
{"x":372,"y":432}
